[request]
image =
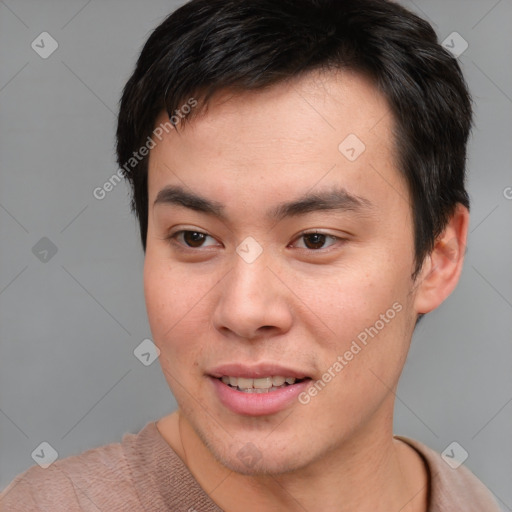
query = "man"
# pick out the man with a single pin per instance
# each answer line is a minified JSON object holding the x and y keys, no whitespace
{"x":298,"y":173}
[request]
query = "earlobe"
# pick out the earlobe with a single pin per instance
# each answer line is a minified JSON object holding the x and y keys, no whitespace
{"x":442,"y":267}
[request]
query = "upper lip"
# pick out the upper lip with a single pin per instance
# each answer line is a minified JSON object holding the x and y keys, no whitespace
{"x":255,"y":371}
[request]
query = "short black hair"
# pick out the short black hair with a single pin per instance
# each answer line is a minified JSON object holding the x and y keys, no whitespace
{"x":207,"y":46}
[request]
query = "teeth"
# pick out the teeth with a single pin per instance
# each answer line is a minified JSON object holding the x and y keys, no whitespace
{"x":264,"y":383}
{"x":245,"y":383}
{"x":260,"y":385}
{"x":278,"y":381}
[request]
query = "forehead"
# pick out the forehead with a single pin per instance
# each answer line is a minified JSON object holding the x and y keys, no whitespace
{"x":321,"y":128}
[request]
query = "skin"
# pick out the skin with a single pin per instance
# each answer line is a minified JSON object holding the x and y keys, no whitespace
{"x":293,"y":305}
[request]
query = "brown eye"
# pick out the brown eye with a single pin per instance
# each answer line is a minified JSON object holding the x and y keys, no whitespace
{"x":314,"y":240}
{"x":194,"y":238}
{"x":191,"y":239}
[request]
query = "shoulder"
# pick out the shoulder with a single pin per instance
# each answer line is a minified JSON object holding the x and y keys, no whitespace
{"x":454,"y":488}
{"x":86,"y":481}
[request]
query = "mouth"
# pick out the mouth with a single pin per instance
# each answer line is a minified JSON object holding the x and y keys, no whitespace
{"x":261,"y":384}
{"x":257,"y":390}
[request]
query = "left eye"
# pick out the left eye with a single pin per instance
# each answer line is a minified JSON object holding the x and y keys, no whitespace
{"x":315,"y":241}
{"x":194,"y":239}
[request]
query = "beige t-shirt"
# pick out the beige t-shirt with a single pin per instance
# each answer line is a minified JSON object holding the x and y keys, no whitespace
{"x":143,"y":473}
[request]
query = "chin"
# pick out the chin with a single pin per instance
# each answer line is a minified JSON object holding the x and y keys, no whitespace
{"x":258,"y":447}
{"x":259,"y":457}
{"x":264,"y":464}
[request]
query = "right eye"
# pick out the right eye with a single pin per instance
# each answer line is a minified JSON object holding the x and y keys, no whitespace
{"x":193,"y":239}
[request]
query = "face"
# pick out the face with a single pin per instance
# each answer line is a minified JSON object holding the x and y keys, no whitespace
{"x":280,"y":246}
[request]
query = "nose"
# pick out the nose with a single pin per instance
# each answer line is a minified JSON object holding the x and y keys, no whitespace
{"x":253,"y":302}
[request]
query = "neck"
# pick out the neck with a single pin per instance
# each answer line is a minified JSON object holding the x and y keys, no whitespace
{"x":371,"y":471}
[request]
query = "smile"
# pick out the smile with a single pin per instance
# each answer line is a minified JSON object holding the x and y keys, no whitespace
{"x":259,"y":385}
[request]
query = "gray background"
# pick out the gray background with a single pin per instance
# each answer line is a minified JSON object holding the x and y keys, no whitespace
{"x":69,"y":325}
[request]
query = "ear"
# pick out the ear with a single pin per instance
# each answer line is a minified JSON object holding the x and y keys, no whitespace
{"x":442,"y":267}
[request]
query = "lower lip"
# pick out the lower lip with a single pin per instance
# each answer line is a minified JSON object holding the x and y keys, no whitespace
{"x":258,"y":404}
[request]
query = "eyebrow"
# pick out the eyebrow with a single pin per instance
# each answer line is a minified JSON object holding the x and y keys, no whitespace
{"x":338,"y":199}
{"x":174,"y":195}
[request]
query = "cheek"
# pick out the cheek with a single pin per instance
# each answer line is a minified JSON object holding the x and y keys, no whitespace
{"x":367,"y":321}
{"x":176,"y":304}
{"x":364,"y":354}
{"x":350,"y":299}
{"x":165,"y":304}
{"x":164,"y":298}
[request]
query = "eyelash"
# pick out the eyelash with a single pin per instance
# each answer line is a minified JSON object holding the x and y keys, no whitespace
{"x":172,"y":237}
{"x":336,"y":239}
